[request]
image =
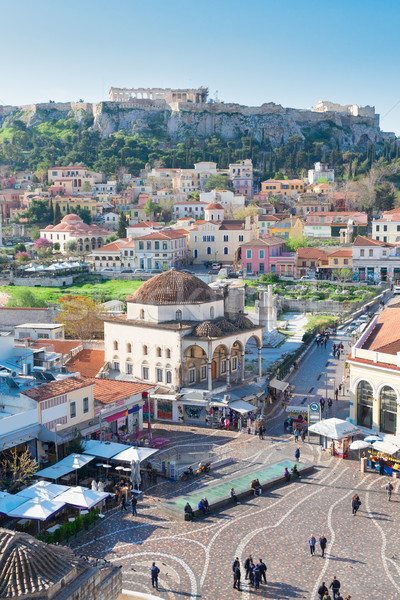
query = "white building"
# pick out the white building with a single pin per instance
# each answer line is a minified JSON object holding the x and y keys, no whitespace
{"x":39,"y":331}
{"x":387,"y":228}
{"x":176,"y":335}
{"x":321,"y":171}
{"x":375,"y":377}
{"x":136,"y":230}
{"x":375,"y":260}
{"x":227,"y":198}
{"x":241,"y":175}
{"x":160,"y":250}
{"x":188,"y":209}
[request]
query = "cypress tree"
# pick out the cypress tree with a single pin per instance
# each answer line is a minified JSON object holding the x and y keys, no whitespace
{"x":122,"y":226}
{"x":57,"y":215}
{"x":51,"y":212}
{"x":68,"y":211}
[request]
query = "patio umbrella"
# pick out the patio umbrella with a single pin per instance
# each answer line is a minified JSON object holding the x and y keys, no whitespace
{"x":359,"y":445}
{"x":82,"y":497}
{"x":386,"y":447}
{"x":10,"y":501}
{"x":37,"y":509}
{"x":334,"y":429}
{"x":373,"y":438}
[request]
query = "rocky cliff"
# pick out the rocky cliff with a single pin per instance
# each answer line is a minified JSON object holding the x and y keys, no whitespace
{"x":229,"y":121}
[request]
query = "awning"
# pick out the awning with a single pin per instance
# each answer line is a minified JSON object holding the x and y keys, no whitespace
{"x":54,"y":472}
{"x":385,"y":447}
{"x":43,"y":490}
{"x":242,"y":407}
{"x":278,"y":385}
{"x":131,"y":454}
{"x":334,"y":429}
{"x":103,"y":449}
{"x":76,"y":461}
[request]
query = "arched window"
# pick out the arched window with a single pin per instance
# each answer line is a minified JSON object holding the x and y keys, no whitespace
{"x":145,"y":351}
{"x":129,"y":348}
{"x":167,"y":353}
{"x":168,"y":376}
{"x":211,"y":312}
{"x":195,"y":253}
{"x":209,"y":250}
{"x":158,"y":351}
{"x":142,"y":313}
{"x":364,"y":404}
{"x":178,"y":315}
{"x":226,"y":250}
{"x":115,"y":345}
{"x":388,"y":410}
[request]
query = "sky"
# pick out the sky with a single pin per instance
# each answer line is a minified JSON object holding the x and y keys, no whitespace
{"x":292,"y":53}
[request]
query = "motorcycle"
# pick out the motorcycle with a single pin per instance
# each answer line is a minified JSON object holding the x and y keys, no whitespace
{"x":187,"y":474}
{"x":204,"y":469}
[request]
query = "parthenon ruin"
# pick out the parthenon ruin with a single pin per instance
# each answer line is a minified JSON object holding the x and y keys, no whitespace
{"x":195,"y":95}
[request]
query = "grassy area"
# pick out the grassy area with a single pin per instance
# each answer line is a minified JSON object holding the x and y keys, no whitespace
{"x":320,"y":322}
{"x":101,"y":292}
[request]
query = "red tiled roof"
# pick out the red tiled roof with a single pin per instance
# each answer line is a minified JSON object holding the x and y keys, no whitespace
{"x":87,"y":362}
{"x":59,"y":346}
{"x":385,"y":336}
{"x":310,"y":253}
{"x":365,"y":241}
{"x":145,"y":224}
{"x":365,"y":361}
{"x":214,"y":206}
{"x":112,"y":247}
{"x":108,"y":391}
{"x":346,"y":252}
{"x":57,"y":388}
{"x":269,"y":241}
{"x":160,"y":235}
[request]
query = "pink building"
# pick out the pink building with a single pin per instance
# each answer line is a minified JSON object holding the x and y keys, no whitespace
{"x":266,"y":256}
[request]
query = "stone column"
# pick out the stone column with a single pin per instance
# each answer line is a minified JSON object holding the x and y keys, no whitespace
{"x":259,"y":362}
{"x":209,"y":375}
{"x":228,"y":369}
{"x":242,"y":359}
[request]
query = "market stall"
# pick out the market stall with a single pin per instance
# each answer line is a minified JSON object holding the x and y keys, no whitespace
{"x":338,"y":431}
{"x":296,"y":416}
{"x":387,"y":452}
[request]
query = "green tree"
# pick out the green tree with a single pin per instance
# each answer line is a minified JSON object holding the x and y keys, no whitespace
{"x":85,"y":215}
{"x":122,"y":225}
{"x":35,"y":233}
{"x":25,"y":299}
{"x":57,"y":215}
{"x":51,"y":213}
{"x":38,"y":212}
{"x":71,"y":246}
{"x":294,"y":244}
{"x":86,"y":187}
{"x":111,"y":238}
{"x":149,"y":208}
{"x":57,"y":246}
{"x":218,"y":182}
{"x":385,"y":196}
{"x":19,"y":248}
{"x":343,"y":275}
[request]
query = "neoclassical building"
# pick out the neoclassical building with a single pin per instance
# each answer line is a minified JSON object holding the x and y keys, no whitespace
{"x":182,"y":335}
{"x":375,"y":376}
{"x":71,"y":227}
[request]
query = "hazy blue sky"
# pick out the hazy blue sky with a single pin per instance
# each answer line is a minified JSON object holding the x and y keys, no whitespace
{"x":293,"y":53}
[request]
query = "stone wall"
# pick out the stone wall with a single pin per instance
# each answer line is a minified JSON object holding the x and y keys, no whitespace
{"x":94,"y":584}
{"x":10,"y":317}
{"x":44,"y":281}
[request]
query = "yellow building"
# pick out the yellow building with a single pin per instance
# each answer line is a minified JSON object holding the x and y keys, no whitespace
{"x":94,"y":205}
{"x":341,"y":259}
{"x":285,"y":187}
{"x":289,"y":229}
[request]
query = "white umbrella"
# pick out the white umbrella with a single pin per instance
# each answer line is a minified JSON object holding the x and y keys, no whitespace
{"x":386,"y":447}
{"x":10,"y":501}
{"x":82,"y":497}
{"x":359,"y":445}
{"x":373,"y":438}
{"x":334,"y":429}
{"x":36,"y":509}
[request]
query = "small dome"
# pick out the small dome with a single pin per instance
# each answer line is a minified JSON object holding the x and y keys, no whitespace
{"x":28,"y":566}
{"x":244,"y":322}
{"x":208,"y":329}
{"x":72,"y":218}
{"x":225,"y":325}
{"x":173,"y":287}
{"x":214,"y":206}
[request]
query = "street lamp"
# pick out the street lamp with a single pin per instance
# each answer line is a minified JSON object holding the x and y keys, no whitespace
{"x":55,"y":439}
{"x":101,"y":431}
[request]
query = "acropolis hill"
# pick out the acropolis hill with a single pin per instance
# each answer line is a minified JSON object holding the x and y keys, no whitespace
{"x":178,"y":114}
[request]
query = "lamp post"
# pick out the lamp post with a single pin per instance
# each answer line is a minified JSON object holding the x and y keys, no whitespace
{"x":101,"y":431}
{"x":55,"y":439}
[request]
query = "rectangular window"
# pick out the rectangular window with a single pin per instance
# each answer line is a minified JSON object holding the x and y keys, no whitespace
{"x":223,"y":366}
{"x":159,"y":374}
{"x":261,"y":268}
{"x":85,"y":405}
{"x":261,"y":254}
{"x":377,"y":228}
{"x":141,"y":245}
{"x":385,"y":228}
{"x":148,"y":245}
{"x":362,"y":252}
{"x":72,"y":410}
{"x":145,"y":372}
{"x":116,"y":366}
{"x":370,"y":252}
{"x":226,"y":238}
{"x":157,"y":245}
{"x":129,"y":368}
{"x":165,"y":246}
{"x":203,"y":372}
{"x":241,"y":238}
{"x":192,"y":375}
{"x":346,"y":261}
{"x":248,"y":253}
{"x":398,"y":227}
{"x":234,"y":363}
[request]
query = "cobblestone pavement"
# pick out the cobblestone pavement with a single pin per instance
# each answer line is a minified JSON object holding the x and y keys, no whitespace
{"x":195,"y":558}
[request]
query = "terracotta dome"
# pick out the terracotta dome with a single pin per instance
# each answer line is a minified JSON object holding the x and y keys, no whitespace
{"x":72,"y":218}
{"x":214,"y":206}
{"x":173,"y":287}
{"x":28,"y":566}
{"x":208,"y":329}
{"x":225,"y":325}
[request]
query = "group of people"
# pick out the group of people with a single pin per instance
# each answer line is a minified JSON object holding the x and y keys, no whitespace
{"x":255,"y":573}
{"x":203,"y":506}
{"x":323,"y":591}
{"x":256,"y":487}
{"x":322,"y":543}
{"x":297,"y":432}
{"x":289,"y":475}
{"x":337,"y":350}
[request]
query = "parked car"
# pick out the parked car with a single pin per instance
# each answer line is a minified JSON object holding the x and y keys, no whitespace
{"x":139,"y":271}
{"x":363,"y":319}
{"x":126,"y":270}
{"x":396,"y":289}
{"x":213,"y":272}
{"x":107,"y":270}
{"x":232,"y":275}
{"x":156,"y":271}
{"x":187,"y":271}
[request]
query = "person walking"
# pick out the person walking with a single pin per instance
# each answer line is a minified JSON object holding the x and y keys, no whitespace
{"x":236,"y":575}
{"x":381,"y":466}
{"x":389,"y":490}
{"x":154,"y":575}
{"x":297,"y":454}
{"x":261,"y":431}
{"x":303,"y":435}
{"x":263,"y":570}
{"x":235,"y":564}
{"x":296,"y":435}
{"x":133,"y":505}
{"x":322,"y":542}
{"x":247,"y":566}
{"x":336,"y":394}
{"x":355,"y":503}
{"x":257,"y":575}
{"x":321,"y":590}
{"x":311,"y":543}
{"x":123,"y":503}
{"x":322,"y":404}
{"x":335,"y":585}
